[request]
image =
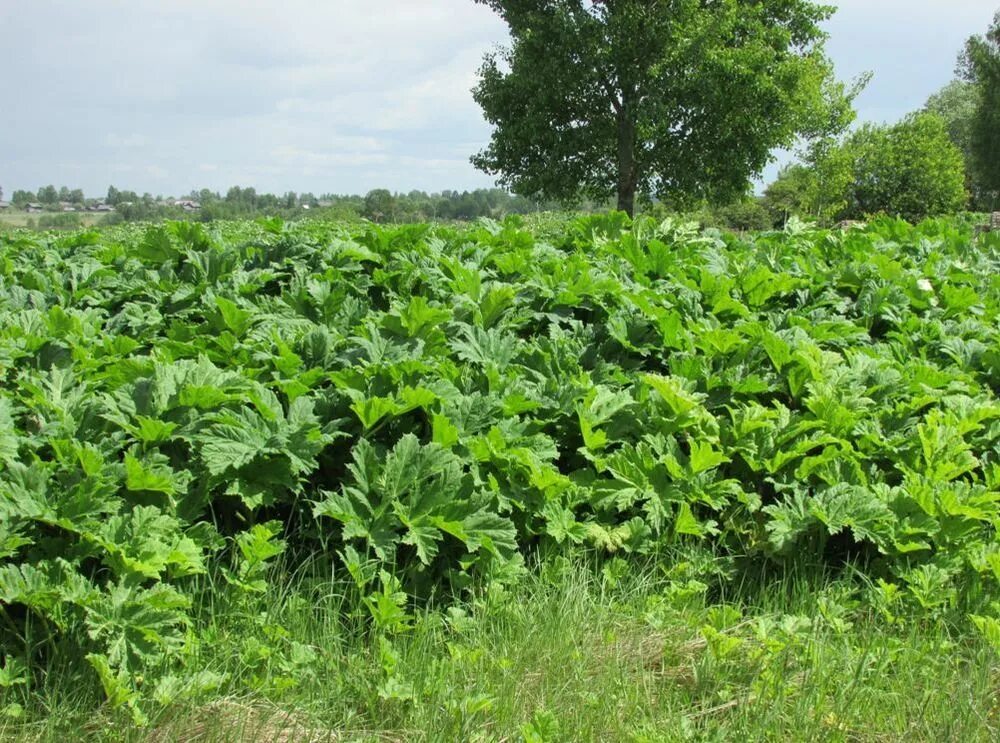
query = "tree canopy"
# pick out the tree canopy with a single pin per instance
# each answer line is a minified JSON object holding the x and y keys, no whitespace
{"x":678,"y":99}
{"x":380,"y":205}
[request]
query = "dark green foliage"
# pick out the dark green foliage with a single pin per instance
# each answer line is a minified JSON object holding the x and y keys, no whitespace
{"x":380,"y":206}
{"x":681,"y":99}
{"x":789,"y":195}
{"x":423,"y":407}
{"x":981,"y":64}
{"x":746,"y":215}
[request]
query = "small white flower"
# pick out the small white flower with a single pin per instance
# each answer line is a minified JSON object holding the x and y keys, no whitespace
{"x":925,"y":285}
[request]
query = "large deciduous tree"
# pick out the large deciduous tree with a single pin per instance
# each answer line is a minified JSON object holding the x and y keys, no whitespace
{"x":674,"y":98}
{"x":380,"y":205}
{"x":981,"y":66}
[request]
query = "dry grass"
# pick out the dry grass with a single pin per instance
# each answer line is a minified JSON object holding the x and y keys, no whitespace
{"x":234,"y":720}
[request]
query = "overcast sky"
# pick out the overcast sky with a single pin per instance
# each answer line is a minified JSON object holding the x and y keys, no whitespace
{"x":325,"y":96}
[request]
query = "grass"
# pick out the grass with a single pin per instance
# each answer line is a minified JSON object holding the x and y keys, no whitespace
{"x":569,"y":652}
{"x":16,"y":218}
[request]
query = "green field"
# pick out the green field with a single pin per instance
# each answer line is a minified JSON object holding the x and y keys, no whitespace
{"x":577,"y":479}
{"x":17,"y":218}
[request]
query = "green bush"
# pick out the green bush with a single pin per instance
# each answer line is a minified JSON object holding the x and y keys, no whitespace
{"x":745,"y":216}
{"x":66,"y":221}
{"x":911,"y":170}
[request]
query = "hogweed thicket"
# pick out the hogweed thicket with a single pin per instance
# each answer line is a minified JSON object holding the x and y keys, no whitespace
{"x":422,"y":407}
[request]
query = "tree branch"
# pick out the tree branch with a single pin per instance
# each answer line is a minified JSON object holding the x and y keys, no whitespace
{"x":606,"y":84}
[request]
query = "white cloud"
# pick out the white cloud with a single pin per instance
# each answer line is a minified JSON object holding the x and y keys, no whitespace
{"x":127,"y":141}
{"x":298,"y":94}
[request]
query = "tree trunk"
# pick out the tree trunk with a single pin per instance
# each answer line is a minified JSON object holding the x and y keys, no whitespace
{"x":627,"y":170}
{"x":626,"y":198}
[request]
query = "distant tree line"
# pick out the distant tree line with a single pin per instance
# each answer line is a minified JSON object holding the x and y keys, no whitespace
{"x":378,"y":205}
{"x":48,"y":196}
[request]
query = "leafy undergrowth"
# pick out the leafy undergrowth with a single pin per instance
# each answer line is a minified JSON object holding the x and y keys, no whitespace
{"x":422,"y":409}
{"x":567,"y":653}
